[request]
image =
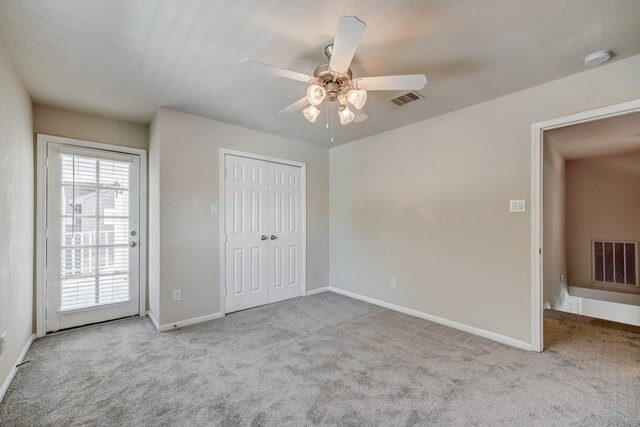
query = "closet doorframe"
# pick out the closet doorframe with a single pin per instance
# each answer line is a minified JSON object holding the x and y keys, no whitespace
{"x":222,"y":209}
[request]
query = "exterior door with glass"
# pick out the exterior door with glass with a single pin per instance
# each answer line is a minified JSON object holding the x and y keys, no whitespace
{"x":92,"y":247}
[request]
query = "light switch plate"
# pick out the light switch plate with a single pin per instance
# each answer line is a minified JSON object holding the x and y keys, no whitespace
{"x":517,"y":206}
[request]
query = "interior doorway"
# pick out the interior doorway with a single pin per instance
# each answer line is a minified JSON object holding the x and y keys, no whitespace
{"x":572,"y":260}
{"x":264,"y":229}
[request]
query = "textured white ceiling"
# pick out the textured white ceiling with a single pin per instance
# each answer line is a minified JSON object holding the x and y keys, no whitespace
{"x":604,"y":137}
{"x":126,"y":58}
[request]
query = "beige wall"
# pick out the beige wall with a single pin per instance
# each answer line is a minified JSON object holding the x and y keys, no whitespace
{"x":16,"y":215}
{"x":187,"y":163}
{"x":428,"y":203}
{"x":60,"y":122}
{"x":603,"y":202}
{"x":553,"y":217}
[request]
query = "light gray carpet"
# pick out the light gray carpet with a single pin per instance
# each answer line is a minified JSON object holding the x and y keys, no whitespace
{"x":325,"y":359}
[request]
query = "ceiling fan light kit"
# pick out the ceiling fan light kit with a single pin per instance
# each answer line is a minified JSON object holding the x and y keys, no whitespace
{"x":357,"y":98}
{"x":312,"y":112}
{"x":346,"y":115}
{"x":334,"y":82}
{"x":316,"y":94}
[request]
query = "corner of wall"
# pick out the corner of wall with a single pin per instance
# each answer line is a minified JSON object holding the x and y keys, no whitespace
{"x":17,"y":193}
{"x":154,"y":218}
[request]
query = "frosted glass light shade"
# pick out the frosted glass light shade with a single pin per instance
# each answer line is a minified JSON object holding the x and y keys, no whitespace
{"x":346,"y":115}
{"x":316,"y":94}
{"x":311,"y":113}
{"x":357,"y":98}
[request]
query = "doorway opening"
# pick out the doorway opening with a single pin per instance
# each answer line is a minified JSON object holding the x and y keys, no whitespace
{"x":585,"y":180}
{"x":91,"y":233}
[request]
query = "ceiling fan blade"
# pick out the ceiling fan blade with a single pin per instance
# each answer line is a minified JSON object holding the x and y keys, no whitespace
{"x":361,"y":116}
{"x":295,"y":107}
{"x":348,"y":35}
{"x":405,"y":82}
{"x":277,"y":71}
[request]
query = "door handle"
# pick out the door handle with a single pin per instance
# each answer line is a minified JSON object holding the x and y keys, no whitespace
{"x":263,"y":237}
{"x":133,"y":244}
{"x":273,"y":237}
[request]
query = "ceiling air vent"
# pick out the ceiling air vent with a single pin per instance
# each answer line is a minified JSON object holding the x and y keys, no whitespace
{"x":407,"y":98}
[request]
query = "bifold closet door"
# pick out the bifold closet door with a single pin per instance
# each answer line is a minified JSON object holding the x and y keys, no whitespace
{"x":264,"y":232}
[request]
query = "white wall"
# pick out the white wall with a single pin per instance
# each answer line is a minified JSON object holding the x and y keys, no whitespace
{"x":603,"y":202}
{"x":428,"y":203}
{"x":184,"y":154}
{"x":16,"y":215}
{"x":554,"y":214}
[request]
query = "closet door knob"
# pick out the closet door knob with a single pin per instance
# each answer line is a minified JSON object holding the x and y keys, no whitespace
{"x":273,"y":237}
{"x":263,"y":237}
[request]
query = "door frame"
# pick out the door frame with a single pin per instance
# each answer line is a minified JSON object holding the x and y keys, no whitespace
{"x":537,"y":164}
{"x":41,"y":218}
{"x":223,"y":236}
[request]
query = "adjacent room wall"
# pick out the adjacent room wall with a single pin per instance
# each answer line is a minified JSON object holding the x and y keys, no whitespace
{"x":603,"y":202}
{"x":428,"y":203}
{"x":16,"y":216}
{"x":88,"y":127}
{"x":553,"y":217}
{"x":184,"y":154}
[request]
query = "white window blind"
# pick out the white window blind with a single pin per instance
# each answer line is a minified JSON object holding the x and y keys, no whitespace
{"x":95,"y":232}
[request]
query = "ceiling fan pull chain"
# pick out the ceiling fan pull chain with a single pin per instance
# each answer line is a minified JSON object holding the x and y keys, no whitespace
{"x":327,"y":118}
{"x":332,"y":122}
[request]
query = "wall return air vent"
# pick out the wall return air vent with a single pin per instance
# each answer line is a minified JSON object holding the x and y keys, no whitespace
{"x":407,"y":98}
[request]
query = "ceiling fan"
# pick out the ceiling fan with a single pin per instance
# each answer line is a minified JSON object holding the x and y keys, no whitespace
{"x":334,"y":81}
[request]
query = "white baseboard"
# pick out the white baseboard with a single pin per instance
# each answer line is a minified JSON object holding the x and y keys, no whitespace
{"x":318,"y":291}
{"x":14,"y":370}
{"x":153,"y":320}
{"x":182,"y":323}
{"x":450,"y":323}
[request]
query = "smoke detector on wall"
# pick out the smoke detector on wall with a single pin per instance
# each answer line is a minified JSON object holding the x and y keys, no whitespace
{"x":597,"y":58}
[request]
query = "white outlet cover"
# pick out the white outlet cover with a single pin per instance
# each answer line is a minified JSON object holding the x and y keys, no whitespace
{"x":394,"y":283}
{"x":177,"y":295}
{"x":215,"y":210}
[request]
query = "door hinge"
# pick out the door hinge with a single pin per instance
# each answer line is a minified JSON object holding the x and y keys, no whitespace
{"x":46,"y":162}
{"x":225,"y":173}
{"x":539,"y":251}
{"x":46,"y":233}
{"x":225,"y":292}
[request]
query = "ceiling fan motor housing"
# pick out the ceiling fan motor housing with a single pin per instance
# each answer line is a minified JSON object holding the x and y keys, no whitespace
{"x":331,"y":81}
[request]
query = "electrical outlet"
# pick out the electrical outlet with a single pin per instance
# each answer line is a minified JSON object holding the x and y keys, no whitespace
{"x":563,"y":278}
{"x":177,"y":295}
{"x":394,"y":283}
{"x":2,"y":339}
